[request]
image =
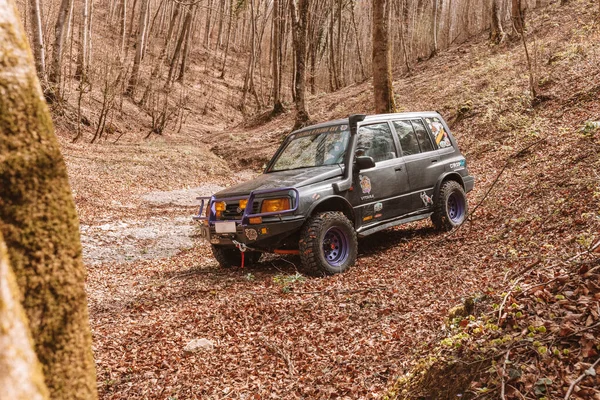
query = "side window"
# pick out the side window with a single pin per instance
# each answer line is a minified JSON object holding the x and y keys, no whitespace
{"x":422,"y":135}
{"x":408,"y":139}
{"x":376,"y":141}
{"x":439,"y":133}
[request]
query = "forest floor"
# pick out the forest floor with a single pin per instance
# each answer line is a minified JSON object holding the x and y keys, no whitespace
{"x":153,"y":287}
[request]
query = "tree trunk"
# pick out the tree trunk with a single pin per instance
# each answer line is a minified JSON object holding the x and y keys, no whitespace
{"x":139,"y":50}
{"x":363,"y":75}
{"x":299,"y":13}
{"x":497,"y":33}
{"x":39,"y":224}
{"x":81,"y":70}
{"x":88,"y":62}
{"x":186,"y":48}
{"x":227,"y":39}
{"x":275,"y":58}
{"x":60,"y":29}
{"x":177,"y":51}
{"x":39,"y":50}
{"x":382,"y":65}
{"x":123,"y":30}
{"x":434,"y":24}
{"x":518,"y":16}
{"x":161,"y":56}
{"x":21,"y":376}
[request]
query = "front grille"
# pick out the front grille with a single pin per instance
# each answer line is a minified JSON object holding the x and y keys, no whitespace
{"x":231,"y":210}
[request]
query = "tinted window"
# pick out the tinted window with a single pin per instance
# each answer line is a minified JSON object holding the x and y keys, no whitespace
{"x":376,"y":141}
{"x":422,"y":135}
{"x":408,"y":139}
{"x":439,"y":133}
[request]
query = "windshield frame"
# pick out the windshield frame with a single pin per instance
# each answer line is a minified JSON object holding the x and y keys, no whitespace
{"x":339,"y":127}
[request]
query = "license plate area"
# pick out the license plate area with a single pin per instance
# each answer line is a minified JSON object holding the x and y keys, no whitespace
{"x":225,"y":227}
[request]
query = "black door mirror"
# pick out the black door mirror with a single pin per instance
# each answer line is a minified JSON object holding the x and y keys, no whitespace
{"x":364,"y":162}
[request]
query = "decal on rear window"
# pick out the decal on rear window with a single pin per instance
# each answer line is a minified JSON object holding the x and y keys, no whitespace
{"x":439,"y":133}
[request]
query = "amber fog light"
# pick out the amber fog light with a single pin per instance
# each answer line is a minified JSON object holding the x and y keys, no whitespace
{"x":274,"y":205}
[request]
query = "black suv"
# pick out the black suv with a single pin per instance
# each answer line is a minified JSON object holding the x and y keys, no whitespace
{"x":331,"y":182}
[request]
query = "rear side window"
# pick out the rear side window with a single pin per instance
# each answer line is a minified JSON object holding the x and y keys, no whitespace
{"x":439,"y":132}
{"x":422,"y":135}
{"x":376,"y":141}
{"x":408,"y":138}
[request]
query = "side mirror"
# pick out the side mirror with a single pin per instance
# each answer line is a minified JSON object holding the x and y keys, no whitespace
{"x":364,"y":162}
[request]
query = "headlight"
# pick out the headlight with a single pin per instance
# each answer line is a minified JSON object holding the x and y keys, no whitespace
{"x":220,"y":206}
{"x":274,"y":205}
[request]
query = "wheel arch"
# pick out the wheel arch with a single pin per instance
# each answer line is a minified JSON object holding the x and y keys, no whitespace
{"x":333,"y":203}
{"x":448,"y":176}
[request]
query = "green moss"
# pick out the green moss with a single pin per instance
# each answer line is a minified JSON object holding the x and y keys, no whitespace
{"x":40,"y":227}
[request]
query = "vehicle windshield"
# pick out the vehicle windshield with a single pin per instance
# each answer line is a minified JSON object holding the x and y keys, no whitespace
{"x":313,"y":148}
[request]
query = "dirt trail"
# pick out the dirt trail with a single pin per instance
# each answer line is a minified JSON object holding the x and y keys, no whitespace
{"x":162,"y":228}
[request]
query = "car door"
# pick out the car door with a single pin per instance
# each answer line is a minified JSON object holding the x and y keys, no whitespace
{"x":375,"y":190}
{"x":422,"y":161}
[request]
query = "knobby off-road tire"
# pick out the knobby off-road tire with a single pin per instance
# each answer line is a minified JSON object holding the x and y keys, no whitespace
{"x":450,"y":207}
{"x":328,"y":244}
{"x":228,"y":257}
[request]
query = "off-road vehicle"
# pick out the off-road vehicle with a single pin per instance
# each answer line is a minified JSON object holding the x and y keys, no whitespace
{"x":330,"y":183}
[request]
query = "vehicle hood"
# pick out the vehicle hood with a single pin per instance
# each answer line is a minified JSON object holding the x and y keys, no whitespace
{"x":295,"y":178}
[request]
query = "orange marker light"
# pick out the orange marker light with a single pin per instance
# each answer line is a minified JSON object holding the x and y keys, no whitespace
{"x":256,"y":220}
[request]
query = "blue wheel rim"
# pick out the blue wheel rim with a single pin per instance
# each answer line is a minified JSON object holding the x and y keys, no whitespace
{"x":456,"y":208}
{"x":335,"y":247}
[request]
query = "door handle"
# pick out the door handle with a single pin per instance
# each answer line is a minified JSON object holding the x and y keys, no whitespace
{"x":434,"y":161}
{"x":398,"y":168}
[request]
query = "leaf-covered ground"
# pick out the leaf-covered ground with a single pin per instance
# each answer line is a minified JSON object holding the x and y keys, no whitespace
{"x":528,"y":255}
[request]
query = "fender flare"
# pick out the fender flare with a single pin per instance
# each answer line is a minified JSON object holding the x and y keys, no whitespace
{"x":448,"y":176}
{"x":339,"y":199}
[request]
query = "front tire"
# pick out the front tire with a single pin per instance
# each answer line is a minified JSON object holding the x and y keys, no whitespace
{"x":230,"y":257}
{"x":328,"y":244}
{"x":450,"y":207}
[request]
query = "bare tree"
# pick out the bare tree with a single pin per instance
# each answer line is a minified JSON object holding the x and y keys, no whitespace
{"x":434,"y":28}
{"x":518,"y":16}
{"x":39,"y":224}
{"x":139,"y":49}
{"x":382,"y":64}
{"x":81,"y":70}
{"x":60,"y":30}
{"x":39,"y":50}
{"x":299,"y":13}
{"x":497,"y":33}
{"x":177,"y":52}
{"x":276,"y":58}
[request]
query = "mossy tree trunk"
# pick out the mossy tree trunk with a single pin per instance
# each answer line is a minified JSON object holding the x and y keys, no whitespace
{"x":39,"y":222}
{"x":21,"y":375}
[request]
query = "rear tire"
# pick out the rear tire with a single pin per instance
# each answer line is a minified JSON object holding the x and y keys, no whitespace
{"x":230,"y":257}
{"x":328,"y":244}
{"x":450,"y":207}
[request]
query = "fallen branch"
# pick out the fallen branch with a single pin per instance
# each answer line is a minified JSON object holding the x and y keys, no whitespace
{"x":591,"y":371}
{"x":503,"y":387}
{"x":350,"y":291}
{"x":505,"y":298}
{"x":283,"y":354}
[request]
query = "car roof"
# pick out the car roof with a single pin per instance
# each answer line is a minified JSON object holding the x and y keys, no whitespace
{"x":373,"y":118}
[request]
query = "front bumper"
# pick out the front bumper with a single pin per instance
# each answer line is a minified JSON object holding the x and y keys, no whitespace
{"x":269,"y":234}
{"x":266,"y":236}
